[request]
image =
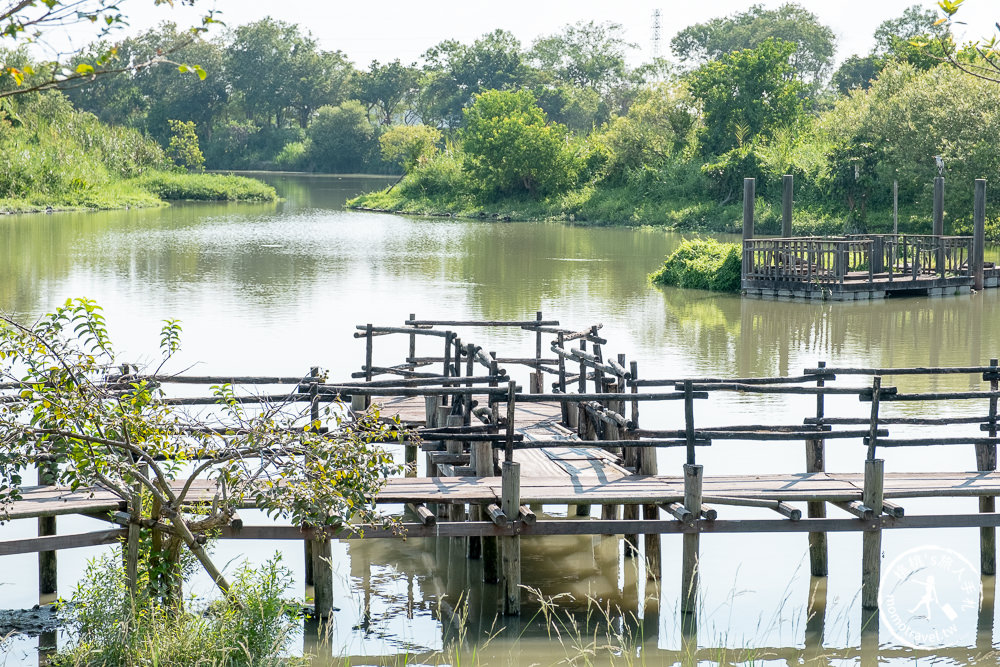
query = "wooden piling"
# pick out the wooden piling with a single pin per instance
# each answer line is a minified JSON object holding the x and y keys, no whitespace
{"x":979,"y":235}
{"x":511,"y":547}
{"x":895,"y":208}
{"x":938,"y":225}
{"x":484,"y":468}
{"x":749,"y":186}
{"x":816,"y":462}
{"x":323,"y":577}
{"x":871,"y":544}
{"x":48,"y":475}
{"x":986,"y":459}
{"x":564,"y":407}
{"x":539,"y":375}
{"x":786,"y":205}
{"x":689,"y":559}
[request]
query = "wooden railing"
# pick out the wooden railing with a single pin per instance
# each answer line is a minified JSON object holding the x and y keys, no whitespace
{"x":857,"y":258}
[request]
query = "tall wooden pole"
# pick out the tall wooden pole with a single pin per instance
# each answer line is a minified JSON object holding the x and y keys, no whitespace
{"x":749,"y":186}
{"x":979,"y":234}
{"x":787,"y":190}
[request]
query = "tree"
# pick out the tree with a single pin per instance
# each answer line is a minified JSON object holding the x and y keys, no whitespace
{"x":30,"y":20}
{"x":454,"y":73}
{"x":261,"y":59}
{"x":509,"y":147}
{"x":340,"y":138}
{"x":915,"y":22}
{"x":585,"y":55}
{"x":73,"y":409}
{"x":814,"y":42}
{"x":409,"y":145}
{"x":319,"y":78}
{"x":383,"y":89}
{"x":980,"y":59}
{"x":748,"y":94}
{"x":183,"y":148}
{"x":658,"y":126}
{"x":856,"y":72}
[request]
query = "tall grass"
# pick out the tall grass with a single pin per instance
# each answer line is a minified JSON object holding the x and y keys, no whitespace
{"x":110,"y":627}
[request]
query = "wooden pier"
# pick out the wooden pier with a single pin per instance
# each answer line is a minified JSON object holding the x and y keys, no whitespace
{"x":494,"y":455}
{"x":865,"y":266}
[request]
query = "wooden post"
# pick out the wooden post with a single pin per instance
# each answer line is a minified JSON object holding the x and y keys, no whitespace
{"x":511,"y":574}
{"x":581,"y":414}
{"x":986,"y":459}
{"x":689,"y":566}
{"x":786,"y":205}
{"x":470,"y":360}
{"x":446,"y":370}
{"x":749,"y":185}
{"x":816,"y":462}
{"x":484,"y":468}
{"x":979,"y":234}
{"x":563,"y":405}
{"x":871,"y":544}
{"x":938,"y":229}
{"x":413,"y":341}
{"x":509,"y":444}
{"x":647,"y":466}
{"x":895,"y":208}
{"x":539,"y":375}
{"x":132,"y":541}
{"x":873,"y":422}
{"x":689,"y":424}
{"x":323,"y":577}
{"x":48,"y":475}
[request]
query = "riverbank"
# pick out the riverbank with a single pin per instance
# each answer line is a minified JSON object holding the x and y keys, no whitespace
{"x":606,"y":205}
{"x":148,"y":191}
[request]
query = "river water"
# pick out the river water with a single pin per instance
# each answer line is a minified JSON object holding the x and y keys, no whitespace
{"x":278,"y":288}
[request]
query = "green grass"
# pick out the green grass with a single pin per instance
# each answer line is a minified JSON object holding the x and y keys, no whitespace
{"x":205,"y":187}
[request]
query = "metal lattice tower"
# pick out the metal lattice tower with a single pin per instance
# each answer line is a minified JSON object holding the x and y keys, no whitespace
{"x":657,"y":27}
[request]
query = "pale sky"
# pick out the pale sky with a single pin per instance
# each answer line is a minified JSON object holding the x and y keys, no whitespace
{"x":404,"y":29}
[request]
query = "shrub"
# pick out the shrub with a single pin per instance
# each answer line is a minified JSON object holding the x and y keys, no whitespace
{"x":703,"y":264}
{"x":207,"y":187}
{"x":111,"y":627}
{"x":183,"y":148}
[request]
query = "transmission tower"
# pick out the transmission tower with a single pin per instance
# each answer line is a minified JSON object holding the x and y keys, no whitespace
{"x":657,"y":27}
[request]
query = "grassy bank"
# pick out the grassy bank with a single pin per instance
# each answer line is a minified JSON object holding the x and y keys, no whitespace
{"x":52,"y":156}
{"x":624,"y":205}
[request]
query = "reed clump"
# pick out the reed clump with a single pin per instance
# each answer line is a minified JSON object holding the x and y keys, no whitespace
{"x":702,"y":264}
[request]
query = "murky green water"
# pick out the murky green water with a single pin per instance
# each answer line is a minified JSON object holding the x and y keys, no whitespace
{"x":279,"y":288}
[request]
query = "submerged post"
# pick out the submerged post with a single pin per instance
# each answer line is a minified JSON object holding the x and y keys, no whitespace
{"x":511,"y":548}
{"x":871,"y":540}
{"x":689,"y":564}
{"x":749,"y":186}
{"x":986,"y":459}
{"x":979,"y":235}
{"x":48,"y":474}
{"x":787,"y":190}
{"x":323,"y":577}
{"x":815,"y":462}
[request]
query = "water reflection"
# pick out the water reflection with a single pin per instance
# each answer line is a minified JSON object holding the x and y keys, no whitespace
{"x":279,"y":288}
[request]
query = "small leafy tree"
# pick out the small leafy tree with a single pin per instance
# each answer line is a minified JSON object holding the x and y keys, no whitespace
{"x":509,"y":147}
{"x":116,"y":432}
{"x":409,"y":145}
{"x":183,"y":148}
{"x":341,"y":138}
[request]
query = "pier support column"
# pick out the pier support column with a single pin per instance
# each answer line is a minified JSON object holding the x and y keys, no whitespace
{"x":689,"y":560}
{"x":938,"y":229}
{"x":986,"y":459}
{"x":979,"y":235}
{"x":322,"y":552}
{"x":48,"y":473}
{"x":816,"y":462}
{"x":871,"y":540}
{"x":511,"y":547}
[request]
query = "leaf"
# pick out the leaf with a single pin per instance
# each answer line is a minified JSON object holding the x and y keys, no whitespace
{"x":84,"y":68}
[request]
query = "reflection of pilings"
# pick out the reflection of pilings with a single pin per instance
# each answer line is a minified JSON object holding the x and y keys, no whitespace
{"x":869,"y":637}
{"x":984,"y":627}
{"x":815,"y":620}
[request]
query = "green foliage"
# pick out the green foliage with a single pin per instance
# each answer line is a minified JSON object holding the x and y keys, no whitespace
{"x":292,"y":156}
{"x":749,"y":94}
{"x":813,"y":42}
{"x":252,"y":627}
{"x":658,"y":127}
{"x":340,"y":138}
{"x":509,"y":147}
{"x":857,"y":72}
{"x":183,"y":148}
{"x":702,"y":264}
{"x":409,"y":145}
{"x":206,"y":187}
{"x":384,"y":88}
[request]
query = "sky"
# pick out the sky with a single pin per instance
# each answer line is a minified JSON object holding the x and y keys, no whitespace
{"x":390,"y":29}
